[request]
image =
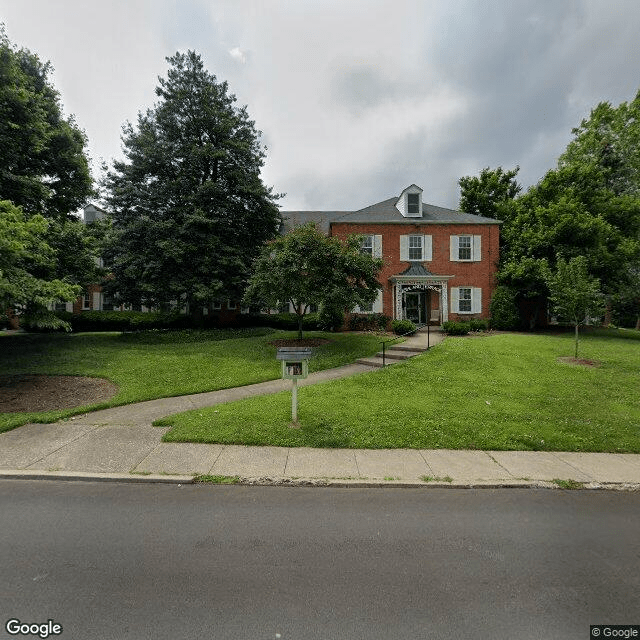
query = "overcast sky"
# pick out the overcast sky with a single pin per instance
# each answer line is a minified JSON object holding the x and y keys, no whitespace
{"x":356,"y":99}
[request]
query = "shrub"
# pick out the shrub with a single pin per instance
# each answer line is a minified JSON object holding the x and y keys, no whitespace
{"x":124,"y":320}
{"x":504,"y":309}
{"x":286,"y":321}
{"x":403,"y":327}
{"x":453,"y":328}
{"x":478,"y":324}
{"x":368,"y":322}
{"x":330,"y":318}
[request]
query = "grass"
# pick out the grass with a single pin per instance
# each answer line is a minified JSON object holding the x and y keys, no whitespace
{"x":501,"y":392}
{"x":205,"y":479}
{"x":448,"y":479}
{"x":568,"y":484}
{"x":157,"y":364}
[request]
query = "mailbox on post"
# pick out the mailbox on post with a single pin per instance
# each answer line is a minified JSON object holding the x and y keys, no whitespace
{"x":295,"y":365}
{"x":295,"y":362}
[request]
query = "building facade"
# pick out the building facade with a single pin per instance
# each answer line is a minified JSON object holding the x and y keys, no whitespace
{"x":439,"y":264}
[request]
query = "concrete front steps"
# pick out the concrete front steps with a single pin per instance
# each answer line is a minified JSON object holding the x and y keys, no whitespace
{"x":392,"y":355}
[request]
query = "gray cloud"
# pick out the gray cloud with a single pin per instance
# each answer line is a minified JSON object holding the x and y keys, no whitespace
{"x":355,"y":100}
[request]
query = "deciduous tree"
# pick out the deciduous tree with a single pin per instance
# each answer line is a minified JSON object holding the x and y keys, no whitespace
{"x":43,"y":166}
{"x":305,"y":267}
{"x":574,"y":295}
{"x":25,"y":259}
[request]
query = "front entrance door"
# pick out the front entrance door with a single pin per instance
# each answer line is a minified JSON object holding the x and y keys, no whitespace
{"x":414,"y":307}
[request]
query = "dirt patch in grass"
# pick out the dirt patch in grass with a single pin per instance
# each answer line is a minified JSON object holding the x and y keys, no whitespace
{"x":32,"y":393}
{"x":300,"y":342}
{"x":580,"y":362}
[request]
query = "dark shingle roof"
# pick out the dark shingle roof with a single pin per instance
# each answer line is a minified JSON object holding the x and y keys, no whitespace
{"x":384,"y":212}
{"x":415,"y":269}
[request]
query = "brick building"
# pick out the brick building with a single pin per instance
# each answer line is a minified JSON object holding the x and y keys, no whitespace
{"x":439,"y":264}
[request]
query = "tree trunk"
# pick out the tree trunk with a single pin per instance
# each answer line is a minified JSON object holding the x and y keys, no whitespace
{"x":638,"y":323}
{"x":576,"y":356}
{"x":300,"y":316}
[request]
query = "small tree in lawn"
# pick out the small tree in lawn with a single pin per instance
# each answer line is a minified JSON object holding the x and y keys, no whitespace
{"x":575,"y":295}
{"x":305,"y":267}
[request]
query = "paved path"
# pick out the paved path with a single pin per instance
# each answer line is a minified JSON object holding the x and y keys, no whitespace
{"x":121,"y":443}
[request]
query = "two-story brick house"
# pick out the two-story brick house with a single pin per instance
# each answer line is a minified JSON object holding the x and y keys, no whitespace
{"x":439,"y":264}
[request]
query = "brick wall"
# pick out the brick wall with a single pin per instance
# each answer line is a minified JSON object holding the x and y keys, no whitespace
{"x":472,"y":274}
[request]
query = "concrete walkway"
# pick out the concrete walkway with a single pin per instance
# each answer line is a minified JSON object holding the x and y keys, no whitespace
{"x":121,"y":444}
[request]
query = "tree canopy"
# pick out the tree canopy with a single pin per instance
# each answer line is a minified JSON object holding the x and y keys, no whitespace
{"x":589,"y":205}
{"x":43,"y":166}
{"x":25,"y":257}
{"x":44,"y":178}
{"x":484,"y":195}
{"x":188,"y":208}
{"x":305,"y":267}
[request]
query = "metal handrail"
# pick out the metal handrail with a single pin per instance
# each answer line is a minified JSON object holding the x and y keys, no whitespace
{"x":402,"y":335}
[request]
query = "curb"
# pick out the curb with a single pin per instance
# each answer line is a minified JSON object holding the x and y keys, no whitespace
{"x":337,"y":483}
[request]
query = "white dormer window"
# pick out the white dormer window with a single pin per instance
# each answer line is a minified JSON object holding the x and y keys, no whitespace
{"x":413,"y":204}
{"x":409,"y":204}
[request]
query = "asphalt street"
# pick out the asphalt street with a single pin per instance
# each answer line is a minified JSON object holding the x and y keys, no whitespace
{"x":110,"y":561}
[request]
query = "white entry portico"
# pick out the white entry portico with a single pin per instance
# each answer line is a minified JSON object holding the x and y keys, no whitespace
{"x":412,"y":294}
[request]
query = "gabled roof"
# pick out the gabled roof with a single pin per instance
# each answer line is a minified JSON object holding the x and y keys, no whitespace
{"x":384,"y":212}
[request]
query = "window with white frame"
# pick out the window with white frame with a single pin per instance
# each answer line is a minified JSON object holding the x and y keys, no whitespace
{"x":464,"y":300}
{"x":464,"y":247}
{"x":86,"y":300}
{"x":216,"y":306}
{"x":232,"y":306}
{"x":415,"y":247}
{"x":413,"y":203}
{"x":367,"y":245}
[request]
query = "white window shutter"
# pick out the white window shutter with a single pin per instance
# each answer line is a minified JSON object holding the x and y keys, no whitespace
{"x":377,"y":305}
{"x":453,"y":250}
{"x":404,"y":248}
{"x":427,"y":251}
{"x":476,"y":300}
{"x":454,"y":299}
{"x":96,"y":301}
{"x":477,"y":248}
{"x":69,"y":306}
{"x":377,"y":246}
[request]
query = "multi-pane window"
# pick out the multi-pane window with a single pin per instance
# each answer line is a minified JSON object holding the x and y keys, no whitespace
{"x":464,"y":248}
{"x":415,"y":247}
{"x":107,"y":303}
{"x":464,"y":299}
{"x":216,"y":306}
{"x":367,"y":245}
{"x":86,"y":300}
{"x":413,"y":203}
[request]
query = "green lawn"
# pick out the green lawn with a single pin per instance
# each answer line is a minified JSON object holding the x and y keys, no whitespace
{"x":500,"y":392}
{"x":149,"y":365}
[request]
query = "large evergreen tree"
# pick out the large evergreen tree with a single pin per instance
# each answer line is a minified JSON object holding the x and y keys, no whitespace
{"x":188,"y":207}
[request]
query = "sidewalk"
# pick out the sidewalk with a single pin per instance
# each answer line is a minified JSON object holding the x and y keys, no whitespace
{"x":121,"y":444}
